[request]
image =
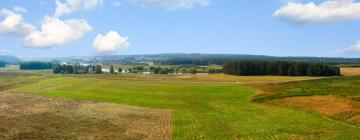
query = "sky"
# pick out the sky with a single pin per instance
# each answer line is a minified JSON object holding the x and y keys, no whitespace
{"x":58,"y":28}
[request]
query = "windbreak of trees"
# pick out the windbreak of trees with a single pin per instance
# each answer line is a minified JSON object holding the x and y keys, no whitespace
{"x":166,"y":70}
{"x":76,"y":69}
{"x":282,"y":68}
{"x":2,"y":64}
{"x":160,"y":70}
{"x":212,"y":71}
{"x":34,"y":65}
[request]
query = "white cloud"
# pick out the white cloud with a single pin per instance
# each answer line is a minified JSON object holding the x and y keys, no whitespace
{"x":70,"y":6}
{"x":13,"y":24}
{"x":327,"y":11}
{"x":353,"y":49}
{"x":20,"y":9}
{"x":174,"y":4}
{"x":56,"y":32}
{"x":117,"y":3}
{"x":110,"y":42}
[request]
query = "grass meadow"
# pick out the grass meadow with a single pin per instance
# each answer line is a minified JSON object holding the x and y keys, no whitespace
{"x":207,"y":107}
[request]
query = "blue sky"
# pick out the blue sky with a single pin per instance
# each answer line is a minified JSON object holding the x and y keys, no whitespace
{"x":270,"y":27}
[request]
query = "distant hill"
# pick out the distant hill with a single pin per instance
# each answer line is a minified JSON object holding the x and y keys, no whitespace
{"x":209,"y":59}
{"x":9,"y":59}
{"x":192,"y":59}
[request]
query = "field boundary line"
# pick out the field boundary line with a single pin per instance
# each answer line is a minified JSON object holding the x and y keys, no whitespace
{"x":339,"y":122}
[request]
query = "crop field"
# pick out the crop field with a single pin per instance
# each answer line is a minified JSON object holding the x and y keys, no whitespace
{"x":211,"y":106}
{"x":350,"y":71}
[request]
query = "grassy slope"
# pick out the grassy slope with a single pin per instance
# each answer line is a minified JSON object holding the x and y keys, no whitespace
{"x":202,"y":110}
{"x":340,"y":86}
{"x":345,"y":89}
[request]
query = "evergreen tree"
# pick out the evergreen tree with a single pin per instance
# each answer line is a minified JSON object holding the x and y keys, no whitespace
{"x":291,"y":71}
{"x":57,"y":68}
{"x":193,"y":71}
{"x":120,"y":70}
{"x":112,"y":69}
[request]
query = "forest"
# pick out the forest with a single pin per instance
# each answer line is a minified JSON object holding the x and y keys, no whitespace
{"x":282,"y":68}
{"x":34,"y":65}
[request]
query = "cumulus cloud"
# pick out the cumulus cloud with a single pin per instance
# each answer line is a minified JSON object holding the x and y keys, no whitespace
{"x":56,"y":32}
{"x":174,"y":4}
{"x":110,"y":43}
{"x":70,"y":6}
{"x":14,"y":24}
{"x":325,"y":12}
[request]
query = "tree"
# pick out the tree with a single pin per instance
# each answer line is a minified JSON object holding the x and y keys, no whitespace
{"x":291,"y":71}
{"x":98,"y":69}
{"x":57,"y":68}
{"x":34,"y":65}
{"x":69,"y":69}
{"x":157,"y":70}
{"x":76,"y":69}
{"x":120,"y":70}
{"x":112,"y":69}
{"x":193,"y":71}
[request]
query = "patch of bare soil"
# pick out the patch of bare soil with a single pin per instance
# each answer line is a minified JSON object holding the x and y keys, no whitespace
{"x":337,"y":107}
{"x":26,"y":116}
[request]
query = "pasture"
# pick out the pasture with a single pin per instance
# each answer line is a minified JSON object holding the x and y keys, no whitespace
{"x":203,"y":107}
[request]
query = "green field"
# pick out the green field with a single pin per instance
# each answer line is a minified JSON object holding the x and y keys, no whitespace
{"x":202,"y":110}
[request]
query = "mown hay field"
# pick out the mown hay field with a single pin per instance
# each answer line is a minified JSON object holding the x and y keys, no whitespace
{"x":30,"y":116}
{"x":350,"y":71}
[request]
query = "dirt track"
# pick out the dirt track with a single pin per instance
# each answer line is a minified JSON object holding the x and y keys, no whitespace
{"x":26,"y":116}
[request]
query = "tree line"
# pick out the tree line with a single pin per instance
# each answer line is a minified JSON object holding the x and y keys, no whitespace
{"x":282,"y":68}
{"x":34,"y":65}
{"x":76,"y":69}
{"x":97,"y":69}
